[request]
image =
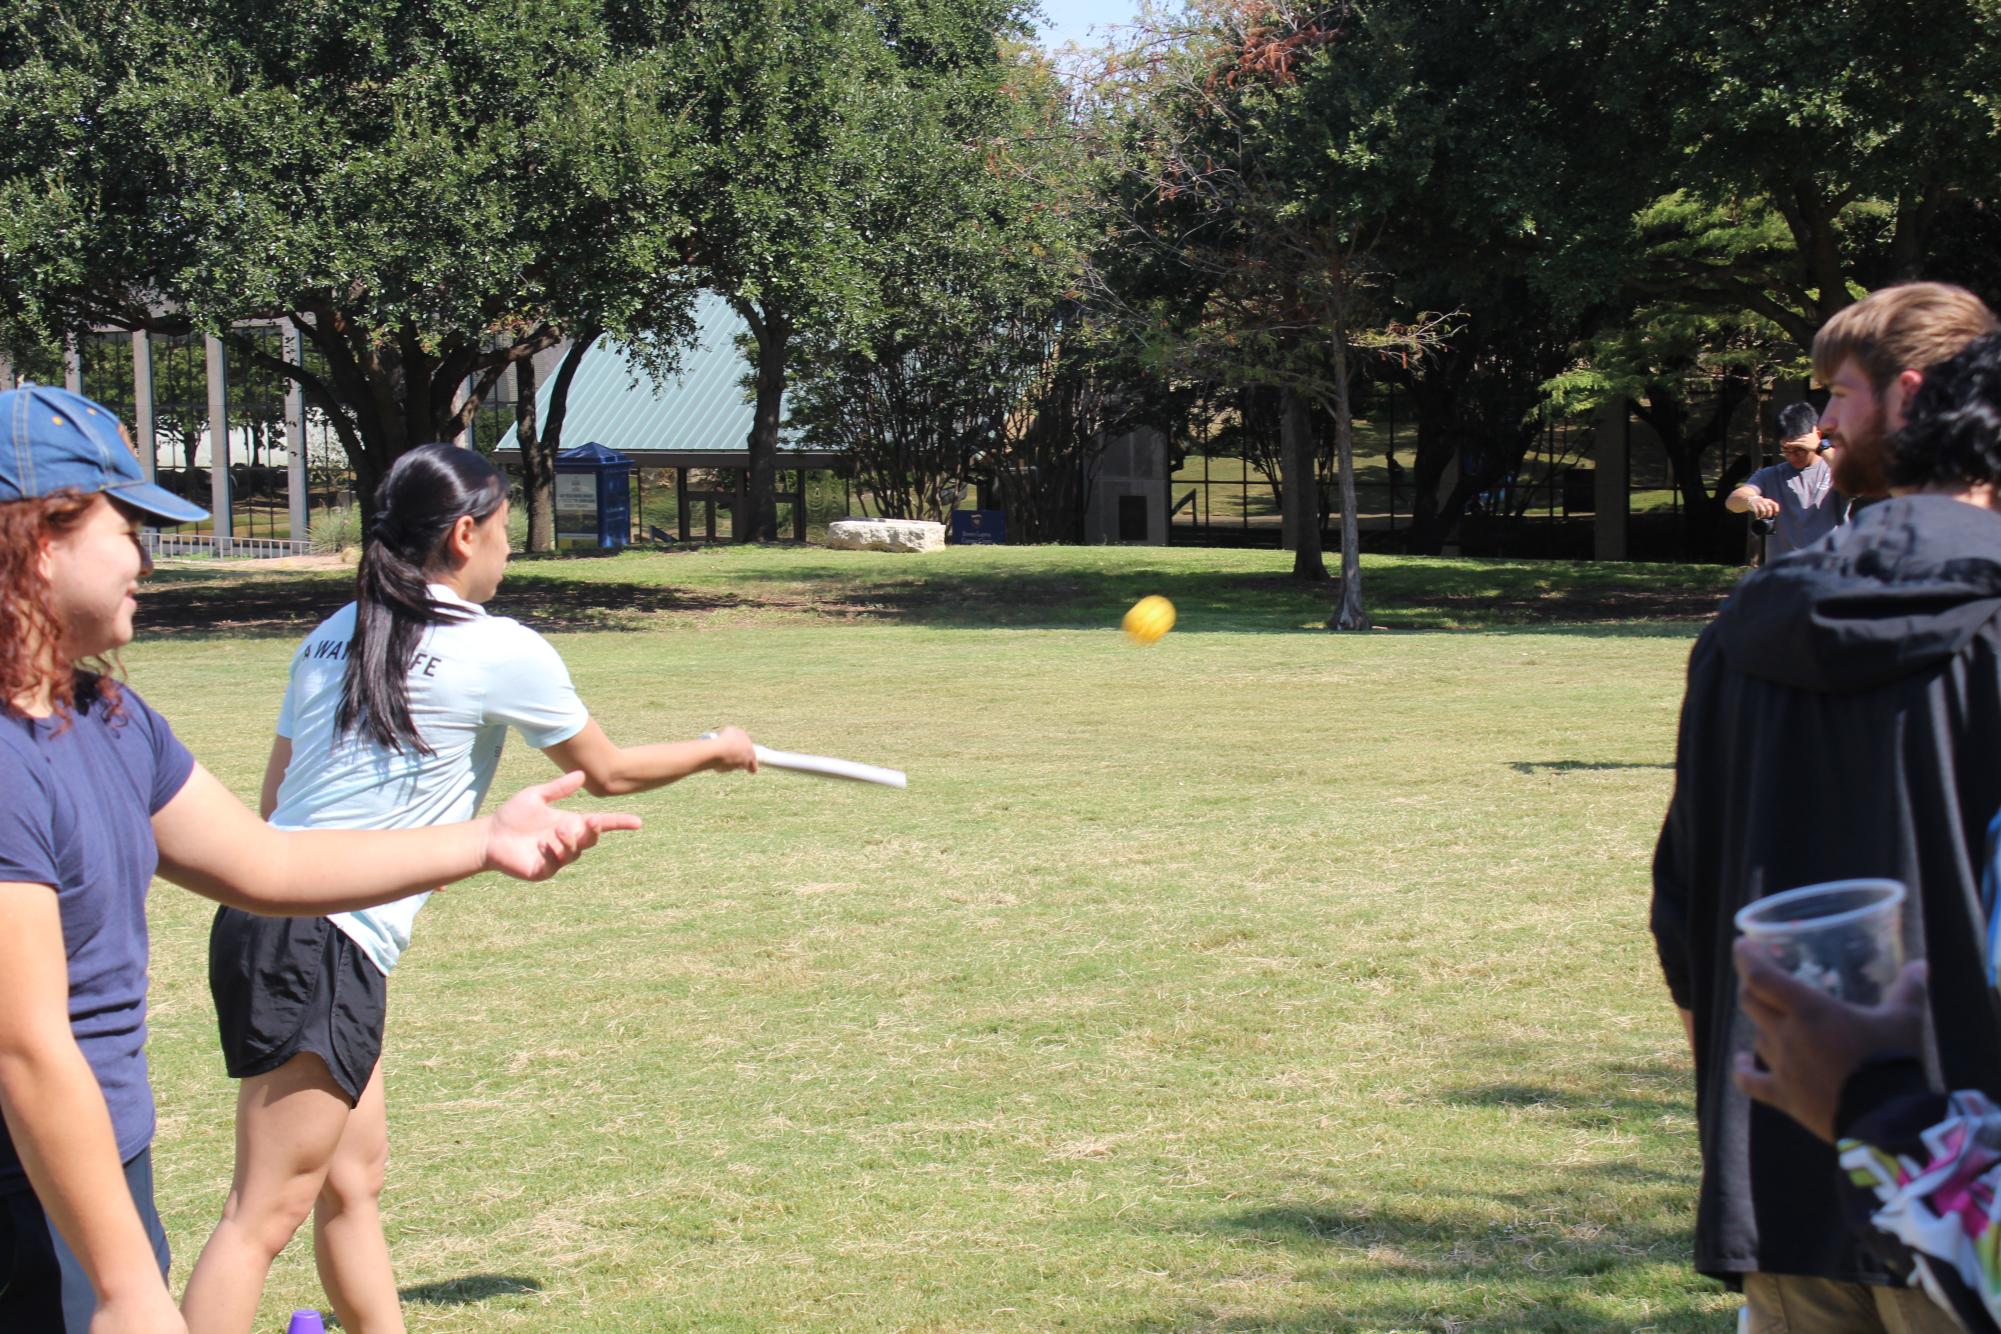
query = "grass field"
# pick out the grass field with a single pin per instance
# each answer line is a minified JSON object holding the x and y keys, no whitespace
{"x":1261,"y":980}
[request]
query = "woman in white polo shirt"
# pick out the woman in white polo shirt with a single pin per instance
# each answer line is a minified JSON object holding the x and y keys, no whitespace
{"x":398,"y":707}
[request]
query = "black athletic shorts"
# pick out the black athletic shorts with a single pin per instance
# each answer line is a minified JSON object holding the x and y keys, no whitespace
{"x":286,"y":985}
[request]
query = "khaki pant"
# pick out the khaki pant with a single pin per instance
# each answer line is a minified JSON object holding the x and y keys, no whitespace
{"x":1789,"y":1304}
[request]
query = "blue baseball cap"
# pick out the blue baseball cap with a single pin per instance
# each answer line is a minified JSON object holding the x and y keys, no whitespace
{"x":52,"y":440}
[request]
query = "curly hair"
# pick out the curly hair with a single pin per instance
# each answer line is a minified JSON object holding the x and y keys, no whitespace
{"x":1952,"y":435}
{"x":31,"y":635}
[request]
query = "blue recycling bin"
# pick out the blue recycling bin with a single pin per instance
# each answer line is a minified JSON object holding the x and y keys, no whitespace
{"x":593,"y":498}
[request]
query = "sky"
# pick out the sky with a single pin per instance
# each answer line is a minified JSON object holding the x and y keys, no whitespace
{"x":1073,"y":20}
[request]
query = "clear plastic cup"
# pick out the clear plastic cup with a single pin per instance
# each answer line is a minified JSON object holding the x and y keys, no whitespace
{"x":1844,"y":937}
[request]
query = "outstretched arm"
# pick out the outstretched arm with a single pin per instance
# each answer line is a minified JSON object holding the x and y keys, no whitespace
{"x":60,"y":1126}
{"x":211,"y":843}
{"x":1748,"y":497}
{"x":611,"y":770}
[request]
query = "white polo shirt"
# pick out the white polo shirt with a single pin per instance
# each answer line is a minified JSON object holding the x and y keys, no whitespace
{"x":469,"y":682}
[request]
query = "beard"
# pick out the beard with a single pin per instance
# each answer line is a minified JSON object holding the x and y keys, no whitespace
{"x":1862,"y":457}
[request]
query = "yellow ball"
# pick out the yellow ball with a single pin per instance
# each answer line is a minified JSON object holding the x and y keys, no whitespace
{"x":1149,"y":619}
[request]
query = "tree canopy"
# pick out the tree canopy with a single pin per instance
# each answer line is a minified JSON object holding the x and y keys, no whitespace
{"x":973,"y":271}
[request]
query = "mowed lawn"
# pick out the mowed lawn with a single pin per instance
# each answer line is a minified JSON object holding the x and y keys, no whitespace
{"x":1264,"y":979}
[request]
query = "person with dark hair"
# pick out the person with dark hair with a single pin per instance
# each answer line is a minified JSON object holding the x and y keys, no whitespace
{"x":1795,"y":497}
{"x":1919,"y":1170}
{"x":398,"y":708}
{"x":100,"y":794}
{"x":1842,"y":718}
{"x":1797,"y":420}
{"x":1951,"y":442}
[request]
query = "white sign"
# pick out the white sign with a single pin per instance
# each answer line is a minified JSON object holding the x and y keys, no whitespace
{"x":577,"y":505}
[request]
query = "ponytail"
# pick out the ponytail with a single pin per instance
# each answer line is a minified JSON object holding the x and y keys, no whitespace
{"x":427,"y":491}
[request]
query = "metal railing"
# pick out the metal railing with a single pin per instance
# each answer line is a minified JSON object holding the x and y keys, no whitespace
{"x":161,"y":546}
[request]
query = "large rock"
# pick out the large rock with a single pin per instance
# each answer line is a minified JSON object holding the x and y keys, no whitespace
{"x":886,"y":535}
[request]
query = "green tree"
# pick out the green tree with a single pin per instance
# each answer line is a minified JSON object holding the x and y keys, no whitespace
{"x":794,"y":103}
{"x":1273,"y":149}
{"x":430,"y":192}
{"x":1861,"y":125}
{"x":1686,"y":362}
{"x":978,"y":363}
{"x":812,"y":118}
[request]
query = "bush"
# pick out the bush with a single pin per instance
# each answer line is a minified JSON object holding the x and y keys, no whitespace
{"x":334,"y":531}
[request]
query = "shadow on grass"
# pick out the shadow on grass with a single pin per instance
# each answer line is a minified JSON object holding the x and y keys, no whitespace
{"x":636,"y":592}
{"x":1646,"y":1099}
{"x":472,"y":1288}
{"x":269,"y":608}
{"x":1564,"y":1253}
{"x":1459,"y":1260}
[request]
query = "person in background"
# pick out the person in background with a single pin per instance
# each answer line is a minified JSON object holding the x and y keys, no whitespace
{"x":1795,"y":496}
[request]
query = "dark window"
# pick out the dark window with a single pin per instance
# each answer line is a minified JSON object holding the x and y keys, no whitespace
{"x":1132,"y":519}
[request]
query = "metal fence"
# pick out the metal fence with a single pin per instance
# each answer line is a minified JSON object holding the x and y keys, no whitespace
{"x":162,"y":545}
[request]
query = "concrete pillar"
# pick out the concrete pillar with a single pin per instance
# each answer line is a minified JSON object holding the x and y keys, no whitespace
{"x":296,"y":493}
{"x":72,"y":365}
{"x":218,"y":437}
{"x":143,"y":439}
{"x":1611,"y":461}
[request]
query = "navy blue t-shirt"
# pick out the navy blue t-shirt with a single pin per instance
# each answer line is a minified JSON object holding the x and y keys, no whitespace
{"x":77,"y":816}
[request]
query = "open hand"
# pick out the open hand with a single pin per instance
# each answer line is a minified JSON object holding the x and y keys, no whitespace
{"x":1811,"y":1043}
{"x":529,"y":839}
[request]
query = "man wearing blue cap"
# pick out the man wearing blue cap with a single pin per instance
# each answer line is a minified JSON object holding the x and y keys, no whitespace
{"x":100,"y":794}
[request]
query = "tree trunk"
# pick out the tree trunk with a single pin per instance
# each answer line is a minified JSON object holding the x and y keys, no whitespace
{"x":559,"y":390}
{"x":1302,"y":489}
{"x":538,"y":491}
{"x":774,"y":334}
{"x":384,"y":396}
{"x":1810,"y":217}
{"x":1350,"y":614}
{"x":1702,"y":513}
{"x":1434,"y":394}
{"x":1907,"y":241}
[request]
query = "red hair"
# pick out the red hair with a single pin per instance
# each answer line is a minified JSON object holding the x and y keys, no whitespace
{"x":31,"y":634}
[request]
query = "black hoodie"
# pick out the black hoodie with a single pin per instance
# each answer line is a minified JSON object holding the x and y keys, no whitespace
{"x":1843,"y":718}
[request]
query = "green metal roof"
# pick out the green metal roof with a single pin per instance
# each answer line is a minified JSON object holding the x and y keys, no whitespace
{"x":705,"y":410}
